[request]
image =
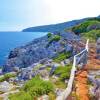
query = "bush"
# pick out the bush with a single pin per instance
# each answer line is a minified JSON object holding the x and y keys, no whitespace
{"x":49,"y":35}
{"x":9,"y":75}
{"x":52,"y":96}
{"x":64,"y":76}
{"x":92,"y":35}
{"x":93,"y":27}
{"x":60,"y":84}
{"x":44,"y":88}
{"x":6,"y":76}
{"x":33,"y":89}
{"x":54,"y":38}
{"x":37,"y":87}
{"x":2,"y":79}
{"x":63,"y":72}
{"x":83,"y":26}
{"x":20,"y":96}
{"x":62,"y":56}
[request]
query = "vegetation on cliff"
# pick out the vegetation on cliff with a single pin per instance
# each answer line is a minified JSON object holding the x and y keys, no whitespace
{"x":92,"y":35}
{"x":63,"y":72}
{"x":62,"y":56}
{"x":7,"y":76}
{"x":88,"y":29}
{"x":86,"y":26}
{"x":33,"y":89}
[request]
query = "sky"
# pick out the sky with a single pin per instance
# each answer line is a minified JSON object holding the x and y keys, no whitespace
{"x":16,"y":15}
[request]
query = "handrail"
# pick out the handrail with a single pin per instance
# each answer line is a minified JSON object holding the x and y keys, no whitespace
{"x":68,"y":90}
{"x":87,"y":45}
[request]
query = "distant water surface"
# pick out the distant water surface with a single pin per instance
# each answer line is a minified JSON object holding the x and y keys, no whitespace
{"x":10,"y":40}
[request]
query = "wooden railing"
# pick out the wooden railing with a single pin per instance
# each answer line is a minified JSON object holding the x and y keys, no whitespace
{"x":81,"y":55}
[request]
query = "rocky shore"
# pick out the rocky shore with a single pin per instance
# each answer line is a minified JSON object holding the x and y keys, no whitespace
{"x":41,"y":48}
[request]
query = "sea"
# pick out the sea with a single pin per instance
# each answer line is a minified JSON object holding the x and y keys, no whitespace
{"x":11,"y":40}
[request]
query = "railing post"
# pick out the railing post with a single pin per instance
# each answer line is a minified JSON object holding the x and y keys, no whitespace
{"x":87,"y":48}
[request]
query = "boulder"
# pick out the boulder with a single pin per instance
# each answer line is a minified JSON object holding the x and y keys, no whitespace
{"x":67,"y":61}
{"x":70,"y":36}
{"x":68,"y":48}
{"x":5,"y":86}
{"x":26,"y":73}
{"x":62,"y":63}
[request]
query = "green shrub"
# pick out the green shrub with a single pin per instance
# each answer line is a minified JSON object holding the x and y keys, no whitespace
{"x":20,"y":96}
{"x":9,"y":75}
{"x":52,"y":96}
{"x":37,"y":87}
{"x":92,"y":35}
{"x":54,"y":38}
{"x":81,"y":28}
{"x":44,"y":88}
{"x":62,"y":56}
{"x":49,"y":35}
{"x":6,"y":76}
{"x":33,"y":89}
{"x":93,"y":27}
{"x":60,"y":84}
{"x":2,"y":79}
{"x":63,"y":72}
{"x":64,"y":76}
{"x":48,"y":69}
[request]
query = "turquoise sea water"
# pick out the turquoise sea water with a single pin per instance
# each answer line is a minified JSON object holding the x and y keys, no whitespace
{"x":10,"y":40}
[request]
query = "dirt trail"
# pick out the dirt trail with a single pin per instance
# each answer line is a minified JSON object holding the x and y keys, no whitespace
{"x":93,"y":63}
{"x":81,"y":79}
{"x":81,"y":85}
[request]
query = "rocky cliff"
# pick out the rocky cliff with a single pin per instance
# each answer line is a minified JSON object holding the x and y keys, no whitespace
{"x":41,"y":48}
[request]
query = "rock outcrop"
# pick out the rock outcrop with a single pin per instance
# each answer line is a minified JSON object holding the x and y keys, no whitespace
{"x":38,"y":49}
